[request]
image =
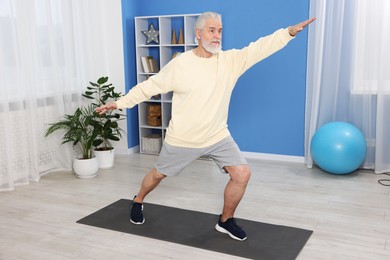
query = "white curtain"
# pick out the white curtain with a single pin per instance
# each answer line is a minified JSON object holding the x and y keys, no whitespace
{"x":49,"y":51}
{"x":348,"y":73}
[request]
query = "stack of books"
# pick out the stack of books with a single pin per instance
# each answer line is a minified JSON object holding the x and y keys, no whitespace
{"x":149,"y":64}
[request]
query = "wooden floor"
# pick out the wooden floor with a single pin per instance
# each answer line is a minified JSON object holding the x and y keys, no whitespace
{"x":350,"y":214}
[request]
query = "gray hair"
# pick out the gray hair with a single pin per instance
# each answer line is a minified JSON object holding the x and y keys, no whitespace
{"x":201,"y":21}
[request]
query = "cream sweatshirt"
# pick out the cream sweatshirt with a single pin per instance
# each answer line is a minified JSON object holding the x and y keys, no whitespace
{"x":202,"y":89}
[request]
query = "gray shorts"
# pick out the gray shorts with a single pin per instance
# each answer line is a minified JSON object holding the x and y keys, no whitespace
{"x":174,"y":159}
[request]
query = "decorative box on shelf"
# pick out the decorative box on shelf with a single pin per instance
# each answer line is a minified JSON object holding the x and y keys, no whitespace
{"x":153,"y":121}
{"x":151,"y":143}
{"x":153,"y":115}
{"x":154,"y":109}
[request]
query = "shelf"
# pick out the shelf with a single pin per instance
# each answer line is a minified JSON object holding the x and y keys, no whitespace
{"x":162,"y":53}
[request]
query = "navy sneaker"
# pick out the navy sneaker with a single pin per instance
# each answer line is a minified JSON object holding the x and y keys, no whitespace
{"x":136,"y":215}
{"x":231,"y":228}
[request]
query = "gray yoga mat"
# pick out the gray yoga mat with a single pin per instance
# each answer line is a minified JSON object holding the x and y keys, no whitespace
{"x":196,"y":229}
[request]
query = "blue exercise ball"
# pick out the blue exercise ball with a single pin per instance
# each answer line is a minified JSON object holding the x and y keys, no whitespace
{"x":338,"y":147}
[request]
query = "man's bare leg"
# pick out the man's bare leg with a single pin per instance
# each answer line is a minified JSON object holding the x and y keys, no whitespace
{"x":149,"y":183}
{"x":235,"y":189}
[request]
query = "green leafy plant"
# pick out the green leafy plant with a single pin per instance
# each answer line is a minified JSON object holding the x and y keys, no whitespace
{"x":106,"y":125}
{"x":77,"y":129}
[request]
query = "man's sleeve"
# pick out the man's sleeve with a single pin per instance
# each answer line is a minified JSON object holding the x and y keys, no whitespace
{"x":157,"y":84}
{"x":261,"y":49}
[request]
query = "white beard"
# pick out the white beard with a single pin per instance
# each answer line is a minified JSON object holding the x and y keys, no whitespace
{"x":208,"y":47}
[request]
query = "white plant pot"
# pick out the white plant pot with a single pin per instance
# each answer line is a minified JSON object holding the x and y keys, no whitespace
{"x":105,"y":158}
{"x":86,"y":168}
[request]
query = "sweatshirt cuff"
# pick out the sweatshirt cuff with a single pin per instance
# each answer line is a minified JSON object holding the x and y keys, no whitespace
{"x":285,"y":36}
{"x":120,"y":104}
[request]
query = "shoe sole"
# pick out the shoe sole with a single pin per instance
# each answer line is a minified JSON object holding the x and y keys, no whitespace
{"x":137,"y":223}
{"x":222,"y":230}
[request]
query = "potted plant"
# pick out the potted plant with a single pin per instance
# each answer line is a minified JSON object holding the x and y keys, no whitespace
{"x":78,"y":129}
{"x":106,"y":125}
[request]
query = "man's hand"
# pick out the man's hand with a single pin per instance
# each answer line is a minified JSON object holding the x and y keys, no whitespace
{"x":294,"y":29}
{"x":103,"y":109}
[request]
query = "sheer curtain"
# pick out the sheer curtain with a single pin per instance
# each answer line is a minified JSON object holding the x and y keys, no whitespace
{"x":49,"y":50}
{"x":348,"y":75}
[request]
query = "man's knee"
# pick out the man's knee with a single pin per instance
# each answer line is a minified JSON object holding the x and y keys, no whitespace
{"x":240,"y":174}
{"x":157,"y":176}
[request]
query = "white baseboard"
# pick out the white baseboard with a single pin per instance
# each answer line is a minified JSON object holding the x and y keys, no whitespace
{"x":249,"y":155}
{"x":134,"y":149}
{"x":274,"y":157}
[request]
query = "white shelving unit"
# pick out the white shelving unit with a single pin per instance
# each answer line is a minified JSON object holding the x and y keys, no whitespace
{"x":162,"y":52}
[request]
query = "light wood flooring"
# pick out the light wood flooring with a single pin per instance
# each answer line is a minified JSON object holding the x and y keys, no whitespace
{"x":349,"y":214}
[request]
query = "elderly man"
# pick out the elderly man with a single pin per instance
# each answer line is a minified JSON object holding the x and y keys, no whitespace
{"x":202,"y":81}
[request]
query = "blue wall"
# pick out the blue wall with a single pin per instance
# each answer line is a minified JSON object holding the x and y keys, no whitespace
{"x":268,"y":104}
